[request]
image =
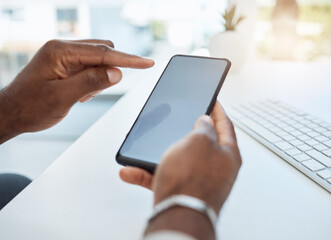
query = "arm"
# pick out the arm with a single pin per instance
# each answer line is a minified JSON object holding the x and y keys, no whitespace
{"x":204,"y":165}
{"x":6,"y":118}
{"x":60,"y":74}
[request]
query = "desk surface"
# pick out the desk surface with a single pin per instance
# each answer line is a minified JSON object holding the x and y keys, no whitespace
{"x":80,"y":196}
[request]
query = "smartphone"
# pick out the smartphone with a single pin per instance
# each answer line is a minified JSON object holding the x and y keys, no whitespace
{"x":187,"y":89}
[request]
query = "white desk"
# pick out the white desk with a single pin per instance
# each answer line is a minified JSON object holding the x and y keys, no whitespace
{"x":80,"y":196}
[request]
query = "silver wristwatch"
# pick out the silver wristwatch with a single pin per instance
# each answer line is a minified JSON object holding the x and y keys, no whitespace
{"x":188,"y":202}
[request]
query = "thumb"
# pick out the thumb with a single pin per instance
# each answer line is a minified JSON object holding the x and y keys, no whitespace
{"x":137,"y":176}
{"x":89,"y":81}
{"x":202,"y":121}
{"x":205,"y":125}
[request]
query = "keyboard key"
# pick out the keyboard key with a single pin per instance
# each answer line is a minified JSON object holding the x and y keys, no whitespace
{"x":305,"y":130}
{"x":329,"y":180}
{"x":288,"y":137}
{"x":281,"y":133}
{"x":289,"y":129}
{"x":268,"y":125}
{"x":312,"y":134}
{"x":275,"y":121}
{"x":284,"y":146}
{"x":281,"y":125}
{"x":321,"y":138}
{"x":301,"y":157}
{"x":284,"y":119}
{"x":325,"y":124}
{"x":312,"y":142}
{"x":274,"y":129}
{"x":293,"y":152}
{"x":326,"y":161}
{"x":327,"y":134}
{"x":327,"y":152}
{"x":298,"y":120}
{"x":304,"y":137}
{"x":313,"y":165}
{"x":326,"y":173}
{"x":296,"y":142}
{"x":298,"y":126}
{"x":320,"y":147}
{"x":320,"y":129}
{"x":264,"y":122}
{"x":296,"y":133}
{"x":312,"y":125}
{"x":290,"y":122}
{"x":260,"y":130}
{"x":327,"y":143}
{"x":318,"y":121}
{"x":304,"y":121}
{"x":304,"y":147}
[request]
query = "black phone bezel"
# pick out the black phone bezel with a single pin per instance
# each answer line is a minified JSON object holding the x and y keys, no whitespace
{"x":150,"y":167}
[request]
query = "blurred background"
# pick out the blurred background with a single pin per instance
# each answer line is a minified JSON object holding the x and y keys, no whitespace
{"x":272,"y":31}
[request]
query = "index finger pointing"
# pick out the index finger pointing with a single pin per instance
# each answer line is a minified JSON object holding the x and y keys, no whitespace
{"x":79,"y":53}
{"x":223,"y":125}
{"x":121,"y":59}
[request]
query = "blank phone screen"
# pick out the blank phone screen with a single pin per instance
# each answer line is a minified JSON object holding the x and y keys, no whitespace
{"x":183,"y":93}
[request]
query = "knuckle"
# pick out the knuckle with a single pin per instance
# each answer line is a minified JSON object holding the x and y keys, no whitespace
{"x":51,"y":47}
{"x":103,"y":48}
{"x":110,"y":43}
{"x":52,"y":44}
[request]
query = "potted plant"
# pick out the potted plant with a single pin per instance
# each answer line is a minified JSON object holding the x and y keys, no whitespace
{"x":230,"y":43}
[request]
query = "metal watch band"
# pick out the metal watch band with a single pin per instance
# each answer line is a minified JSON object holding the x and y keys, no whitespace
{"x":188,"y":202}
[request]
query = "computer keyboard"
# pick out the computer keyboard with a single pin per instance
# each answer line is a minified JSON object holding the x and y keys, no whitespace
{"x":301,"y":139}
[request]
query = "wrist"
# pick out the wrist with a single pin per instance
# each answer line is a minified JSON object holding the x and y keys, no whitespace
{"x":198,"y":220}
{"x":182,"y":219}
{"x":205,"y":196}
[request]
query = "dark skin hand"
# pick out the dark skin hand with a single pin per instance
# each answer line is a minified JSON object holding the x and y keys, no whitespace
{"x":60,"y":74}
{"x":204,"y":164}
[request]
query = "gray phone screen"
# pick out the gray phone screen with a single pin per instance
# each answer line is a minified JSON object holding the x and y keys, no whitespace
{"x":182,"y":94}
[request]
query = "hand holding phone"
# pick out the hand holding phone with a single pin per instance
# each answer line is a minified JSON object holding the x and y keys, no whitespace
{"x":187,"y":89}
{"x":203,"y":164}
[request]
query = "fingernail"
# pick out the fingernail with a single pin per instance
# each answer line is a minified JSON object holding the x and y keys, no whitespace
{"x":150,"y":60}
{"x":207,"y":119}
{"x":113,"y":78}
{"x":86,"y":99}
